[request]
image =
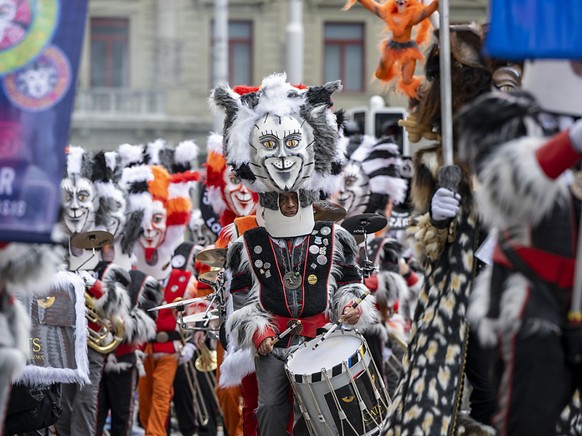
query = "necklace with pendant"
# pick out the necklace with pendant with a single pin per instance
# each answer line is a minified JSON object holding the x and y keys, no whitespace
{"x":291,"y":279}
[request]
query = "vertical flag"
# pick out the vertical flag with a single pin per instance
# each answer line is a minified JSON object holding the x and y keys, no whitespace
{"x":40,"y":47}
{"x":527,"y":29}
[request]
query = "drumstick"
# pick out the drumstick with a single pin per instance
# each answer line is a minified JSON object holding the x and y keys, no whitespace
{"x":339,"y":321}
{"x":281,"y":335}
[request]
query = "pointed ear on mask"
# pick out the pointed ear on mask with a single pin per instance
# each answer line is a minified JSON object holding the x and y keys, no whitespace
{"x":225,"y":99}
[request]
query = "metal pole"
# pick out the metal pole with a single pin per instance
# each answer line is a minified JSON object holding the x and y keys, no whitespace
{"x":294,"y":54}
{"x":445,"y":73}
{"x":220,"y":51}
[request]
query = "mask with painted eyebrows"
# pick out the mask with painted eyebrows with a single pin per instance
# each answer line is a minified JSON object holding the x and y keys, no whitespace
{"x":282,"y":154}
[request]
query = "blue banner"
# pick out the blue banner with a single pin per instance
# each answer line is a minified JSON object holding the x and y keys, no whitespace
{"x":535,"y":29}
{"x":40,"y":47}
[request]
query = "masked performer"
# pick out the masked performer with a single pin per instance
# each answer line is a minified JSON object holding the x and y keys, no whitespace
{"x":168,"y":207}
{"x":400,"y":53}
{"x":230,"y":199}
{"x":282,"y":141}
{"x":105,"y":286}
{"x":521,"y":303}
{"x":446,"y":235}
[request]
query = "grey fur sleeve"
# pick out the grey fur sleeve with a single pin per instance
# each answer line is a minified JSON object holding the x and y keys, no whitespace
{"x":247,"y":317}
{"x":513,"y":188}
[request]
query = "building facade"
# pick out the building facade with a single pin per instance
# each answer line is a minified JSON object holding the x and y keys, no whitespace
{"x":147,"y":70}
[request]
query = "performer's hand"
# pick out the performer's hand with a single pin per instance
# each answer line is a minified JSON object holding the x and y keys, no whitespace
{"x":351,"y":315}
{"x":187,"y":353}
{"x":199,"y":338}
{"x":444,"y":204}
{"x":266,"y":347}
{"x":576,"y":135}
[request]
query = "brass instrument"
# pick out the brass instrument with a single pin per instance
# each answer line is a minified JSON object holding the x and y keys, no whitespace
{"x":206,"y":362}
{"x":110,"y":333}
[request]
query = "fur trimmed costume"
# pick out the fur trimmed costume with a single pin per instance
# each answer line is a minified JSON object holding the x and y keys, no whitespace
{"x":520,"y":305}
{"x":428,"y":398}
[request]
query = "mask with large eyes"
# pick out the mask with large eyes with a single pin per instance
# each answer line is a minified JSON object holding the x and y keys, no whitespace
{"x":77,"y":200}
{"x":282,"y":152}
{"x":237,"y":196}
{"x":354,"y":191}
{"x":155,"y":232}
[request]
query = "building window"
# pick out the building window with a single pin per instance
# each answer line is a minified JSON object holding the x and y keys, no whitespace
{"x":109,"y":52}
{"x":344,"y":54}
{"x":240,"y":52}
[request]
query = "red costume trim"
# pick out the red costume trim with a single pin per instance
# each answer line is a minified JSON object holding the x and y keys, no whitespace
{"x":557,"y":155}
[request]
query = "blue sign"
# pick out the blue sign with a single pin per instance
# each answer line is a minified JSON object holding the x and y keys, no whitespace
{"x":40,"y":47}
{"x":535,"y":29}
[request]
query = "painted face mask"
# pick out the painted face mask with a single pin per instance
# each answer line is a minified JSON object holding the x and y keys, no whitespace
{"x":282,"y":152}
{"x":154,"y":232}
{"x":237,"y":195}
{"x":354,"y":194}
{"x":78,"y":199}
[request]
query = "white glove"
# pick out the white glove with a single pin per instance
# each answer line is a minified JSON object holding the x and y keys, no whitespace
{"x":576,"y":135}
{"x":187,"y":353}
{"x":444,"y":204}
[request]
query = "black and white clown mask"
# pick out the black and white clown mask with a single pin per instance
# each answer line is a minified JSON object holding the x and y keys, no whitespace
{"x":280,"y":139}
{"x":282,"y":154}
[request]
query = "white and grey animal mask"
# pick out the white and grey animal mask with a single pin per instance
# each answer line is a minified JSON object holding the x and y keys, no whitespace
{"x":281,"y":138}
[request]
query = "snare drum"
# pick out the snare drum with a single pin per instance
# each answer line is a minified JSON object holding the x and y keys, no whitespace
{"x":338,"y":387}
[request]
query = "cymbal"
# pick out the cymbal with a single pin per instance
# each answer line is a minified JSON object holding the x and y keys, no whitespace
{"x":208,"y":277}
{"x":365,"y":223}
{"x":324,"y":210}
{"x":197,"y":317}
{"x":215,"y":257}
{"x":177,"y":303}
{"x":94,"y":239}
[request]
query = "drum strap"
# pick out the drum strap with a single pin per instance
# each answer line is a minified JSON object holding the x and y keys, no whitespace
{"x":310,"y":324}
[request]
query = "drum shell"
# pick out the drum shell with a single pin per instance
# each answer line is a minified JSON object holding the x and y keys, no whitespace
{"x":314,"y":394}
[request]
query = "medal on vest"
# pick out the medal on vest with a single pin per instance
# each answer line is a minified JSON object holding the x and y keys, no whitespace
{"x":292,"y":280}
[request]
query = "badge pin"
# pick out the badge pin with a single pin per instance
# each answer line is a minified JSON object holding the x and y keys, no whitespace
{"x":259,"y":263}
{"x":323,"y":251}
{"x":258,"y":249}
{"x":313,"y":265}
{"x":268,"y":274}
{"x":325,"y":231}
{"x":326,"y":242}
{"x":321,"y":259}
{"x":314,"y":249}
{"x":312,"y":279}
{"x":318,"y":240}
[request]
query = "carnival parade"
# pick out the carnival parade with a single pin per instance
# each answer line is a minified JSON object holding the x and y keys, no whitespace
{"x":296,"y":258}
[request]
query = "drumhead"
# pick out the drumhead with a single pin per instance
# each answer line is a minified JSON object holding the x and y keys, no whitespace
{"x":338,"y":347}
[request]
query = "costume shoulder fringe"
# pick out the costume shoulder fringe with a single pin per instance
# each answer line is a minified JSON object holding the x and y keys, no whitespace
{"x":428,"y":242}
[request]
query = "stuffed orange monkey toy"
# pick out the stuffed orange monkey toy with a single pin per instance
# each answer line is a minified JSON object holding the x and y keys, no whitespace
{"x":400,"y":53}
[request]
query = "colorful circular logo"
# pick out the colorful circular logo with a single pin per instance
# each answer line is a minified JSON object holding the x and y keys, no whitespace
{"x":26,"y":27}
{"x":42,"y":83}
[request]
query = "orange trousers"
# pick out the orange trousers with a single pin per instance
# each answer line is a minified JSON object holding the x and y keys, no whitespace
{"x":155,"y":391}
{"x":229,"y":399}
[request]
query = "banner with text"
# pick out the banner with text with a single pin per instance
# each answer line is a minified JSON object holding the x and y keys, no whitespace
{"x":40,"y":47}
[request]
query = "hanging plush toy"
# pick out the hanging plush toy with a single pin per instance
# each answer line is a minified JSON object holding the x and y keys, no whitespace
{"x":400,"y":52}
